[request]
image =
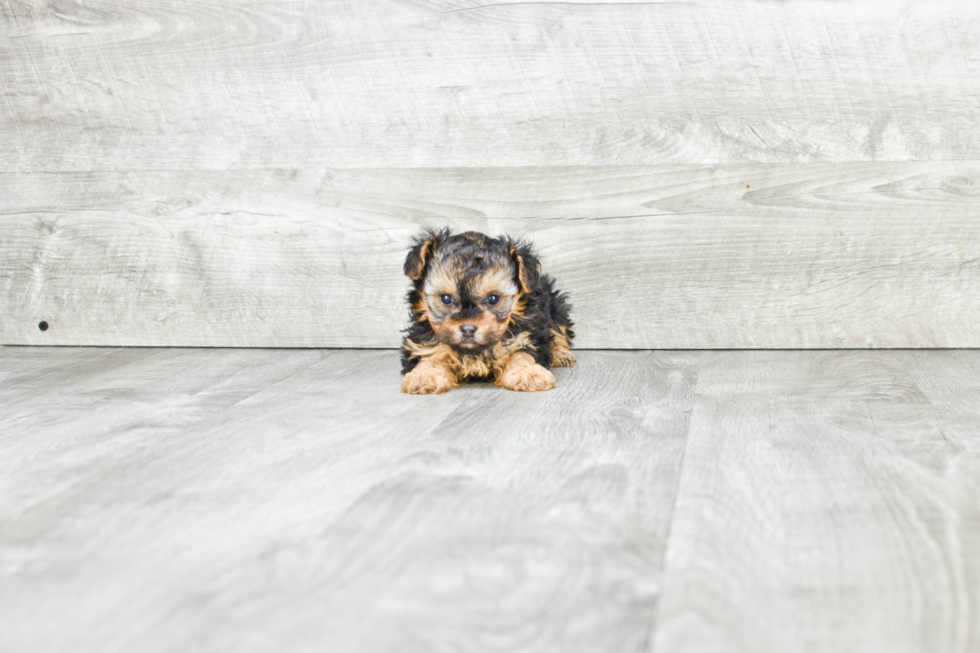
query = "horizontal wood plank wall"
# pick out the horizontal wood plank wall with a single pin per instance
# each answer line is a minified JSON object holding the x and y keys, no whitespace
{"x":713,"y":174}
{"x":137,"y":84}
{"x":848,"y":255}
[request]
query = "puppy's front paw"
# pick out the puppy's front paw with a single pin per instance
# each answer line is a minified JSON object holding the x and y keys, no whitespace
{"x":524,"y":375}
{"x":428,"y":379}
{"x":562,"y":358}
{"x":561,"y":352}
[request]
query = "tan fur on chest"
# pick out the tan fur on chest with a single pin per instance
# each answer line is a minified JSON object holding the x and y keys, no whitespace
{"x":485,"y":365}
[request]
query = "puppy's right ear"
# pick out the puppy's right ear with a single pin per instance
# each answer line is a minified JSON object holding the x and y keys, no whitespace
{"x":528,"y":267}
{"x":420,"y":254}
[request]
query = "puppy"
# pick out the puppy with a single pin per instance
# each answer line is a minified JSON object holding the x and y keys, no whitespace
{"x":481,"y":310}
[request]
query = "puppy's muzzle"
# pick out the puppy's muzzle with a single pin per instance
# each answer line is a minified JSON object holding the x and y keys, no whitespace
{"x":469,"y":331}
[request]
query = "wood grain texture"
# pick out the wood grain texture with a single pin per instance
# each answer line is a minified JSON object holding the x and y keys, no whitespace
{"x":141,"y":84}
{"x":743,"y":256}
{"x":211,"y":500}
{"x":945,"y":378}
{"x":821,"y":507}
{"x":264,"y":500}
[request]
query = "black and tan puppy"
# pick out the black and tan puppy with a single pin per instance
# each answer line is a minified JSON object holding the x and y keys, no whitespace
{"x":481,"y":309}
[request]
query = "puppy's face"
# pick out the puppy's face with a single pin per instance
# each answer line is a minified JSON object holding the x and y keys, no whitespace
{"x":470,"y":289}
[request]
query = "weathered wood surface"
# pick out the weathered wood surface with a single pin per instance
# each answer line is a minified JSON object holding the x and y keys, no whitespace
{"x":371,"y":119}
{"x":824,"y":506}
{"x":247,"y":500}
{"x":743,"y":256}
{"x":145,"y":84}
{"x":252,"y":500}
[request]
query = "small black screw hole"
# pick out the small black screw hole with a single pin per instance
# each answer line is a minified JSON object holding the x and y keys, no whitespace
{"x":43,"y":326}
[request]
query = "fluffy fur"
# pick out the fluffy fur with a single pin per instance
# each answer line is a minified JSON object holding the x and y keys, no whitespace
{"x":481,"y":309}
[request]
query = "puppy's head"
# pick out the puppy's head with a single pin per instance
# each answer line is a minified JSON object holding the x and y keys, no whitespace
{"x":470,"y":286}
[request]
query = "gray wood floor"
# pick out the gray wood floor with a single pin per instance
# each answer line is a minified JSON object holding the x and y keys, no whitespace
{"x":292,"y":500}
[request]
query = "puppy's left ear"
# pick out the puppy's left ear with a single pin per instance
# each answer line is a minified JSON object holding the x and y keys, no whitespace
{"x":418,"y":257}
{"x":528,"y":267}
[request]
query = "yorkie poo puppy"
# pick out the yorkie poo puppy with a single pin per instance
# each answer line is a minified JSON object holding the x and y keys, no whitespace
{"x":481,"y":309}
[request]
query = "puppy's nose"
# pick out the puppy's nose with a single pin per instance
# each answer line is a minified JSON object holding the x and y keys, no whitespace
{"x":468,"y":330}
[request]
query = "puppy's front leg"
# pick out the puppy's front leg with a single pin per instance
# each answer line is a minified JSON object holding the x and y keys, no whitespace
{"x":521,"y":373}
{"x":428,"y":378}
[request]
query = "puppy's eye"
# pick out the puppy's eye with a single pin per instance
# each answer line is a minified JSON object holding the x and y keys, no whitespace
{"x":493,"y":300}
{"x":447,"y":300}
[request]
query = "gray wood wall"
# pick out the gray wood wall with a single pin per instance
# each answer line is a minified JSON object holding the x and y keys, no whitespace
{"x":723,"y":174}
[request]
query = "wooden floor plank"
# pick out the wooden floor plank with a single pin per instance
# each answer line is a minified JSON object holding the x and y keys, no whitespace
{"x":249,"y":500}
{"x":18,"y":360}
{"x":302,"y":506}
{"x":63,"y":427}
{"x":821,"y":508}
{"x":951,"y":381}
